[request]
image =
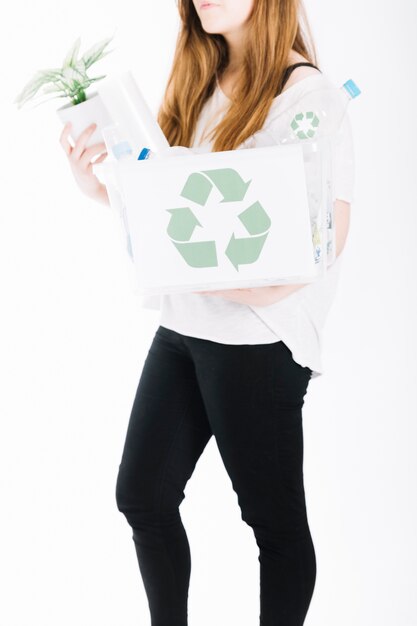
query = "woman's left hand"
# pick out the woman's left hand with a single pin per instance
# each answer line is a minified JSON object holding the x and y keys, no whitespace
{"x":255,"y":296}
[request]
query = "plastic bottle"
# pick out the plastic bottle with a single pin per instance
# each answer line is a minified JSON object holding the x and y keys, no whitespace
{"x":315,"y":120}
{"x":317,"y":113}
{"x":130,"y":111}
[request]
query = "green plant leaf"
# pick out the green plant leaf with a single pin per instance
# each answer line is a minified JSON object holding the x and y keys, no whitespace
{"x":71,"y":79}
{"x":79,"y":66}
{"x":96,"y":52}
{"x":71,"y":56}
{"x":70,"y":74}
{"x":53,"y":88}
{"x":40,"y":78}
{"x":36,"y":104}
{"x":93,"y":80}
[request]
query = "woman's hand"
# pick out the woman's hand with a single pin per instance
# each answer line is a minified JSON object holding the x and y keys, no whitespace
{"x":79,"y":158}
{"x":255,"y":296}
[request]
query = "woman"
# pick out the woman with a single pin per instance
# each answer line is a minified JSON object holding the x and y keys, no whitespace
{"x":236,"y":363}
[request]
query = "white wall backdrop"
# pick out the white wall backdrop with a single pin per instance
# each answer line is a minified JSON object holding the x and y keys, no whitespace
{"x":73,"y":339}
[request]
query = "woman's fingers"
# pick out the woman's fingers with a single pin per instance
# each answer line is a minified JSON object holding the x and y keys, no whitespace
{"x":99,"y":160}
{"x":81,"y":164}
{"x":81,"y":141}
{"x":90,"y":152}
{"x":63,"y":140}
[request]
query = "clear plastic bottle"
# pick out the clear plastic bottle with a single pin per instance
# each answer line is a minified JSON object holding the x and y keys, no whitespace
{"x":317,"y":113}
{"x":129,"y":109}
{"x":315,"y":121}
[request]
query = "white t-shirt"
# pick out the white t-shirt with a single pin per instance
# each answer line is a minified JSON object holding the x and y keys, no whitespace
{"x":297,"y":319}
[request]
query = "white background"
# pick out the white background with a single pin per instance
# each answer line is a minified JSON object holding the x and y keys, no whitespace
{"x":73,"y":339}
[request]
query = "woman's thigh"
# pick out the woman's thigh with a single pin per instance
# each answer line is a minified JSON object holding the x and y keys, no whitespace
{"x":167,"y":430}
{"x":254,"y":396}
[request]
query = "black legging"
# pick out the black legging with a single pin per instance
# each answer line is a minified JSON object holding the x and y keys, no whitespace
{"x":250,"y":397}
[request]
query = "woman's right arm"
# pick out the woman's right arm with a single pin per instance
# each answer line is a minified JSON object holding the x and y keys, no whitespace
{"x":79,"y":158}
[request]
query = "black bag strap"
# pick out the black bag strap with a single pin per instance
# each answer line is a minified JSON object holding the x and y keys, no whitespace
{"x":290,"y":69}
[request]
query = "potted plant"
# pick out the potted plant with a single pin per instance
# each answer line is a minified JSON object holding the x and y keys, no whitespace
{"x":71,"y":81}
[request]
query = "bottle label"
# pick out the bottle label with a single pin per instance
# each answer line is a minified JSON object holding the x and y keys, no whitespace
{"x":144,"y":154}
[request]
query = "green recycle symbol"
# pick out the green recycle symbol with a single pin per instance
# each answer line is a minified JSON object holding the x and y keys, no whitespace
{"x":311,"y":121}
{"x":233,"y":188}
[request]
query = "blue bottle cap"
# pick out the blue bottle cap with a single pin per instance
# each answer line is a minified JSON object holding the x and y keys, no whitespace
{"x":121,"y":148}
{"x":352,"y":88}
{"x":144,"y":154}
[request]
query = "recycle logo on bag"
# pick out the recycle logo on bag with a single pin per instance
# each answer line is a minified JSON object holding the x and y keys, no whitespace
{"x":304,"y":124}
{"x":183,"y":222}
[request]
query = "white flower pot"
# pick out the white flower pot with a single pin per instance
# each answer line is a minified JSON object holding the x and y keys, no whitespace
{"x":83,"y":114}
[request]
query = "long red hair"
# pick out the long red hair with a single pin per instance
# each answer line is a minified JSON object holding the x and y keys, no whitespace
{"x":275,"y":27}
